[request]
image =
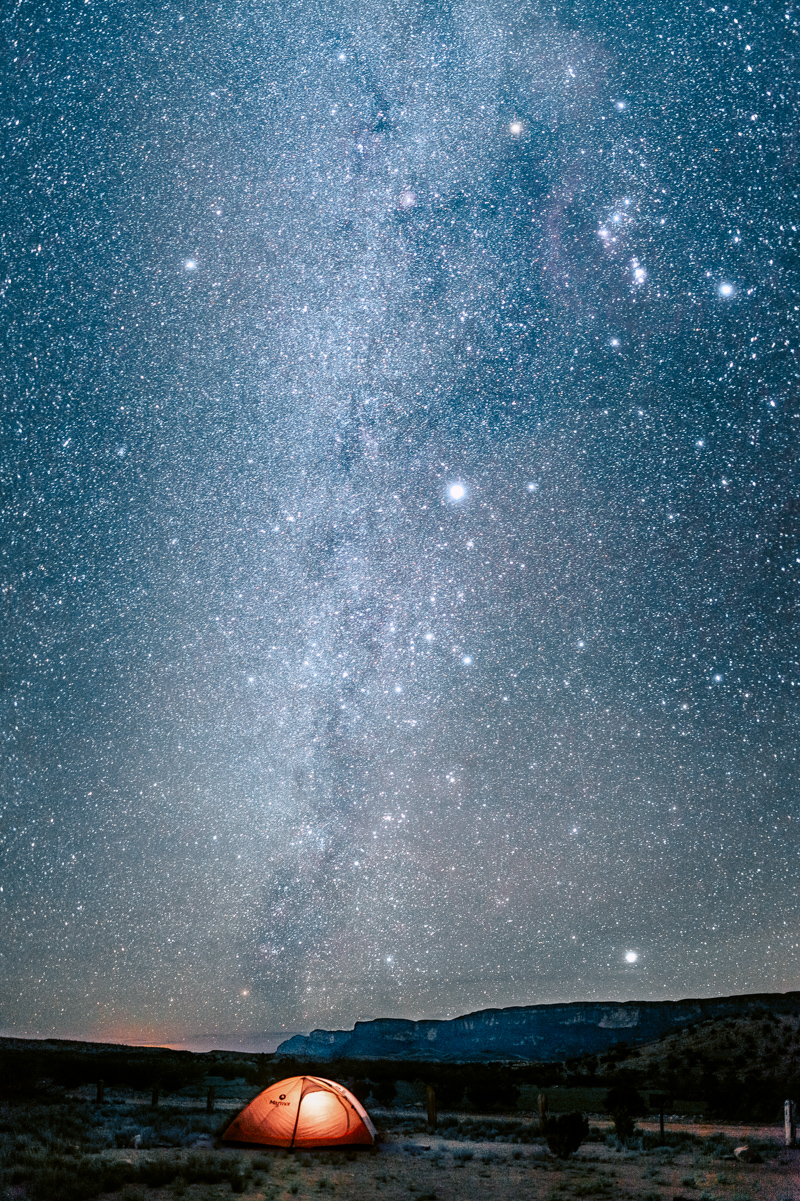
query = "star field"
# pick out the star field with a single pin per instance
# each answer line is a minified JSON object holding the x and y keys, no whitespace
{"x":399,"y":524}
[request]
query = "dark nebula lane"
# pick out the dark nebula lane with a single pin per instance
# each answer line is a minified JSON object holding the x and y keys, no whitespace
{"x":400,"y":528}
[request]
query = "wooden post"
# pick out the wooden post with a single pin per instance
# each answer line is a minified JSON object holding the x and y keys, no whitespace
{"x":431,"y":1098}
{"x":156,"y":1094}
{"x":101,"y":1091}
{"x":210,"y":1099}
{"x":789,"y":1123}
{"x":542,"y":1112}
{"x":660,"y":1100}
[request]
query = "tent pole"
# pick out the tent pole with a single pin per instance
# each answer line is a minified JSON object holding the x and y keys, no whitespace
{"x":297,"y":1115}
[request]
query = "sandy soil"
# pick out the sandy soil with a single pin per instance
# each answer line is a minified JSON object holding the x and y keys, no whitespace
{"x":428,"y":1167}
{"x":438,"y":1170}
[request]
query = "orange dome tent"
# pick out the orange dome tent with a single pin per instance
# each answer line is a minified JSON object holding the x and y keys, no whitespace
{"x":303,"y":1111}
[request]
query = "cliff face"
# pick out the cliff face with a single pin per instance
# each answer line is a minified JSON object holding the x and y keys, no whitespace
{"x":531,"y":1032}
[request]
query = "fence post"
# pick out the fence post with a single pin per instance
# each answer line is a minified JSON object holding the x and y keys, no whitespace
{"x":210,"y":1099}
{"x":542,"y":1104}
{"x":431,"y":1098}
{"x":101,"y":1091}
{"x":789,"y":1123}
{"x":156,"y":1095}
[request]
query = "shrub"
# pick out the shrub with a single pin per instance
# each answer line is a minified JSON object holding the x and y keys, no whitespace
{"x":624,"y":1104}
{"x":565,"y":1133}
{"x":490,"y":1089}
{"x":384,"y":1092}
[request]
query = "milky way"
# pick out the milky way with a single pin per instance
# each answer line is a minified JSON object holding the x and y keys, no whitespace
{"x":400,"y":510}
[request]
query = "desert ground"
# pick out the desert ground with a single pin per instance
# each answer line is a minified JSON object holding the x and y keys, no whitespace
{"x":439,"y":1170}
{"x":72,"y":1148}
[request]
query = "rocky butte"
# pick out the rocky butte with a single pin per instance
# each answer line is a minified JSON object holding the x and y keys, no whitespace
{"x":528,"y":1032}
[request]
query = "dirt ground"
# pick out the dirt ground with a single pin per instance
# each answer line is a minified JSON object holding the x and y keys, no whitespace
{"x":438,"y":1170}
{"x":410,"y":1163}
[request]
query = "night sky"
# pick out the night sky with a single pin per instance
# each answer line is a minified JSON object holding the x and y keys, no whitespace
{"x":400,"y":533}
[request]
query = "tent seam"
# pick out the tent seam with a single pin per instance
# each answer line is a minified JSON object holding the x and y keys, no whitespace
{"x":297,"y":1115}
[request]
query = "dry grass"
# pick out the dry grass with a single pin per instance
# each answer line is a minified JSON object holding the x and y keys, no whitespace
{"x":72,"y":1152}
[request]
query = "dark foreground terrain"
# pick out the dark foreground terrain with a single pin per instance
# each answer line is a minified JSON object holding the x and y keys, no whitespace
{"x":80,"y":1121}
{"x":69,"y":1148}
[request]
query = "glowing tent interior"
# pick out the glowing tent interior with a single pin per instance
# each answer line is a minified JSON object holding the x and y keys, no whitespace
{"x":303,"y":1111}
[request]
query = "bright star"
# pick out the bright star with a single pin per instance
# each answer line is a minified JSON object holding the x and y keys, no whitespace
{"x":631,"y":956}
{"x":190,"y":265}
{"x":726,"y":289}
{"x":457,"y":491}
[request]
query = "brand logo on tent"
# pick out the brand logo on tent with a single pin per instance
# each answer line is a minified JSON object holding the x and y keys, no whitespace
{"x":274,"y":1102}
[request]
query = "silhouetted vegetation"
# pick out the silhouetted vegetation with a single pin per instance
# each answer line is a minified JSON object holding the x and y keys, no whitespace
{"x":486,"y":1087}
{"x":24,"y":1071}
{"x":734,"y":1068}
{"x":565,"y":1132}
{"x":624,"y":1103}
{"x":384,"y":1092}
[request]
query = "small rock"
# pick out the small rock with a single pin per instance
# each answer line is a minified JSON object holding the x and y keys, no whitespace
{"x":745,"y":1155}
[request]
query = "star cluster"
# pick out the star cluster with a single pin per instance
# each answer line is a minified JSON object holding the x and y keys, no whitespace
{"x":400,"y":536}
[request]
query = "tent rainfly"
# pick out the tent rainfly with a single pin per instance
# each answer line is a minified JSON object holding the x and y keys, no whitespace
{"x":303,"y":1111}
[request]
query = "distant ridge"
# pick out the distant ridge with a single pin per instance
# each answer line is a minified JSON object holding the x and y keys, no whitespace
{"x":541,"y":1033}
{"x":138,"y":1051}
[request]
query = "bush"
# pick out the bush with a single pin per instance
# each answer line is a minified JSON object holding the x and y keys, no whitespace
{"x":624,"y":1104}
{"x":59,"y":1176}
{"x":384,"y":1092}
{"x":565,"y":1133}
{"x":449,"y":1086}
{"x":492,"y":1090}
